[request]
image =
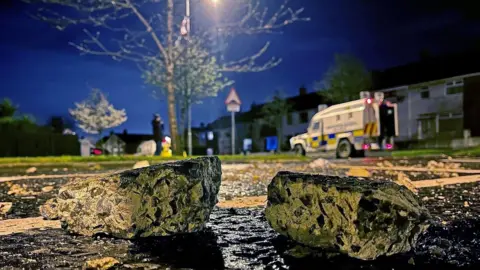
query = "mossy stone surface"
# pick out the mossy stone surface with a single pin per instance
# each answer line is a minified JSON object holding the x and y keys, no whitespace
{"x":362,"y":218}
{"x":158,"y":200}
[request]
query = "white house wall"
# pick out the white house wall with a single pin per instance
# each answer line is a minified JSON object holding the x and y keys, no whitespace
{"x":296,"y":127}
{"x":414,"y":105}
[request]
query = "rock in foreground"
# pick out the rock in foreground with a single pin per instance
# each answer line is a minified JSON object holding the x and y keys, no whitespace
{"x":361,"y":218}
{"x":159,"y":200}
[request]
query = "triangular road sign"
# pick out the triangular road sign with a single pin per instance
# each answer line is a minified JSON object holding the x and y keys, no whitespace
{"x":233,"y":97}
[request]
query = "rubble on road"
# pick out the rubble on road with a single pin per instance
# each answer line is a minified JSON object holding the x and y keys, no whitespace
{"x":100,"y":263}
{"x":141,"y":164}
{"x":5,"y":208}
{"x":319,"y":163}
{"x":364,"y":219}
{"x":31,"y":170}
{"x":19,"y":190}
{"x":402,"y":179}
{"x":158,"y":200}
{"x":47,"y":188}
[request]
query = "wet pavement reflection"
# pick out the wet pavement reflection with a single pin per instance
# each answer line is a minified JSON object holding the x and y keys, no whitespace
{"x":234,"y":239}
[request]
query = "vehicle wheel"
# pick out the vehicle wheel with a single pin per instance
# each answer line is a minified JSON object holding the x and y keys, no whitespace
{"x":344,"y":149}
{"x":299,"y":151}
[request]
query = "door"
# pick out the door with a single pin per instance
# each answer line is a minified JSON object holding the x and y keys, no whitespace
{"x":315,"y":135}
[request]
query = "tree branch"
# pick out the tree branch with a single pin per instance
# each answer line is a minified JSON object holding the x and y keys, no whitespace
{"x":248,"y":64}
{"x":149,"y":29}
{"x":255,"y":21}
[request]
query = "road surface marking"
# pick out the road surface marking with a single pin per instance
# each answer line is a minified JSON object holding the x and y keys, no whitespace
{"x":447,"y":181}
{"x":20,"y":225}
{"x":470,"y":160}
{"x":407,"y":169}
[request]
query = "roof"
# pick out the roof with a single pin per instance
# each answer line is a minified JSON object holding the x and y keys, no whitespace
{"x":298,"y":103}
{"x":429,"y":69}
{"x":131,"y":138}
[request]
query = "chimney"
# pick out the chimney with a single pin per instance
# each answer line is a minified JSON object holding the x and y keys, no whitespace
{"x":302,"y":91}
{"x":125,"y":132}
{"x":202,"y":125}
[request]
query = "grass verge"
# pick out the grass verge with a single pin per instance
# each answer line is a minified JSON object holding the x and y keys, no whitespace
{"x":126,"y":158}
{"x":468,"y":152}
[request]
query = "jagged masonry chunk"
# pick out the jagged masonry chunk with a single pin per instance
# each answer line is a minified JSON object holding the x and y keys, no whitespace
{"x":158,"y":200}
{"x":362,"y":218}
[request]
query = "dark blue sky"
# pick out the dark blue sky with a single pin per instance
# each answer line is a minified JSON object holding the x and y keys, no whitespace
{"x":45,"y":76}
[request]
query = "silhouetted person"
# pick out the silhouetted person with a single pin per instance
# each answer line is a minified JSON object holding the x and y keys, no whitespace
{"x":157,"y":125}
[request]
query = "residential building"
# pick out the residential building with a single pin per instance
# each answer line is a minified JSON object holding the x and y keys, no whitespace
{"x":114,"y":145}
{"x":222,"y":130}
{"x":304,"y":107}
{"x":124,"y":143}
{"x":252,"y":125}
{"x":429,"y":95}
{"x":200,"y":140}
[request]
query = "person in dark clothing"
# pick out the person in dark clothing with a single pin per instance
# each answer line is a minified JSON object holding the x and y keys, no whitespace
{"x":157,"y":124}
{"x":385,"y":132}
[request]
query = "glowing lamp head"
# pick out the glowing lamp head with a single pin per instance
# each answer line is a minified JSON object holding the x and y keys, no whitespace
{"x":369,"y":101}
{"x":389,"y":146}
{"x":365,"y":146}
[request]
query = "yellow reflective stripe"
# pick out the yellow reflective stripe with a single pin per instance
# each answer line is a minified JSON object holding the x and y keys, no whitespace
{"x":374,"y":129}
{"x":357,"y":133}
{"x":367,"y":128}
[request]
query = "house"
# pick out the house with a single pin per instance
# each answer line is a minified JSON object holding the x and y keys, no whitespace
{"x":114,"y":145}
{"x":124,"y":143}
{"x":222,"y":129}
{"x":429,"y":94}
{"x":200,"y":140}
{"x":252,"y":125}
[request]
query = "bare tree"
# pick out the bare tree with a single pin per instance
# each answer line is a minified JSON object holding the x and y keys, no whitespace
{"x":196,"y":77}
{"x":140,"y":32}
{"x":96,"y":114}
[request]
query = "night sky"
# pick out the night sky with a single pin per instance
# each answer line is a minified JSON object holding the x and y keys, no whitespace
{"x":45,"y":76}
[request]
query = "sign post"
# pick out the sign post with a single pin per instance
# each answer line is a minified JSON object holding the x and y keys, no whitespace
{"x":233,"y":105}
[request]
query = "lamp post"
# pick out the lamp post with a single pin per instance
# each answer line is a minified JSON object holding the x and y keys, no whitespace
{"x":186,"y":33}
{"x":189,"y":91}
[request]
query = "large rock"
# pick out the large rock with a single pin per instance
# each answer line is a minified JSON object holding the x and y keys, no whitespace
{"x":147,"y":148}
{"x":361,"y":218}
{"x":159,"y":200}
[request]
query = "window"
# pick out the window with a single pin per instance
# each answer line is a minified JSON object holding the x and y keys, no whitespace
{"x":304,"y":117}
{"x":454,"y":87}
{"x":452,"y":90}
{"x":289,"y":119}
{"x":338,"y":117}
{"x":316,"y":126}
{"x":425,"y":94}
{"x":350,"y":115}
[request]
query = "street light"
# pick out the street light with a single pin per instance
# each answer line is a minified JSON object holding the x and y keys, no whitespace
{"x":185,"y":31}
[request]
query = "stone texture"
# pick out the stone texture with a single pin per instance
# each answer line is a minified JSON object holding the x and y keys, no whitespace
{"x":101,"y":263}
{"x":31,"y":170}
{"x":362,"y":218}
{"x":5,"y":208}
{"x":158,"y":200}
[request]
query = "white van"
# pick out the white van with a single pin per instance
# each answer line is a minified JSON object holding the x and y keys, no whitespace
{"x":350,"y":128}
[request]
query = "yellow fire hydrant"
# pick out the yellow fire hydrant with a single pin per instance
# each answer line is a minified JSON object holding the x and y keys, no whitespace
{"x":166,"y":151}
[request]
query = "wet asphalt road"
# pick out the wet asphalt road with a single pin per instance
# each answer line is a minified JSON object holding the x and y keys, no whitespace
{"x":241,"y":238}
